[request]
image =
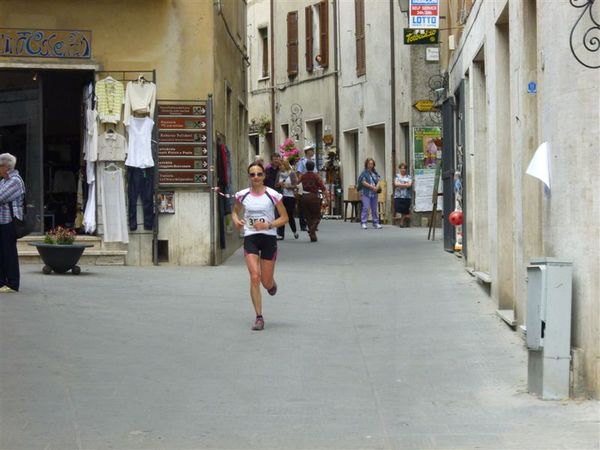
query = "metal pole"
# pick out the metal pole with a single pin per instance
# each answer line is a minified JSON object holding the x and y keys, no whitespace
{"x":155,"y":209}
{"x":211,"y":178}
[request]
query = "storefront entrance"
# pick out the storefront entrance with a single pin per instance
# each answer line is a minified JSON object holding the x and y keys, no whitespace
{"x":41,"y":122}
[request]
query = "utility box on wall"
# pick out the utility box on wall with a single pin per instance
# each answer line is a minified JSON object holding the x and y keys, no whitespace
{"x":549,"y":327}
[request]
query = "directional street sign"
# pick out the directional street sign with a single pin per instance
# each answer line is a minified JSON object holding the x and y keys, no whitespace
{"x":424,"y":105}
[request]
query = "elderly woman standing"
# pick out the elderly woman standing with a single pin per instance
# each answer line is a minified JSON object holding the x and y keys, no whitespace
{"x":367,"y":186}
{"x":12,"y":194}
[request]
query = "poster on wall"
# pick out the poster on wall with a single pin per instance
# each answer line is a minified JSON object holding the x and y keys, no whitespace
{"x":166,"y":202}
{"x":427,"y":145}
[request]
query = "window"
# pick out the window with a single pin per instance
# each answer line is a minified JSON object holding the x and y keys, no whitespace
{"x":359,"y":12}
{"x":263,"y":34}
{"x":317,"y":35}
{"x":292,"y":44}
{"x":309,"y":38}
{"x":324,"y":32}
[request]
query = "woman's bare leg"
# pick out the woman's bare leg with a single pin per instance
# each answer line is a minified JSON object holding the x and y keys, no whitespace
{"x":267,"y":269}
{"x":254,"y":268}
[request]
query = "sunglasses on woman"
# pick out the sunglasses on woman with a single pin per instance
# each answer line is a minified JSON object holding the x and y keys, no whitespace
{"x":256,"y":174}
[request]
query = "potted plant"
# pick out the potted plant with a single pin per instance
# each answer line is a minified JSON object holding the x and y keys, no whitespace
{"x":59,"y":251}
{"x":264,"y":124}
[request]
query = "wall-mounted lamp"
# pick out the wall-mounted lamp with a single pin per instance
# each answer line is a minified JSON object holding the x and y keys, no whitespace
{"x":34,"y":78}
{"x":403,"y":5}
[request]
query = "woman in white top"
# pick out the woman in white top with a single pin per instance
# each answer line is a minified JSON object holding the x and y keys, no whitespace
{"x":287,"y":183}
{"x":260,"y":238}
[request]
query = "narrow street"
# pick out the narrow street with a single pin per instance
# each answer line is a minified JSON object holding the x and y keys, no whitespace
{"x":376,"y":339}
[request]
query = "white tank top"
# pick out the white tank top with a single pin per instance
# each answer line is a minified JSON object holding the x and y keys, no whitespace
{"x":258,"y":208}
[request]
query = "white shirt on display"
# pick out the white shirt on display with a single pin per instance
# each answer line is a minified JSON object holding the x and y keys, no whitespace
{"x":140,"y":142}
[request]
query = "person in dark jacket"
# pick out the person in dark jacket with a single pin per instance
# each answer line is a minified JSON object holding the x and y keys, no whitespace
{"x":310,"y":200}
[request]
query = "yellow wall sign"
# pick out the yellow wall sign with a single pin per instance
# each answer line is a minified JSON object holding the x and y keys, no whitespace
{"x":424,"y":105}
{"x":32,"y":42}
{"x":412,"y":36}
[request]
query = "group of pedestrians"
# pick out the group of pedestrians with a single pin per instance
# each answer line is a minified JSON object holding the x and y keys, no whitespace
{"x":300,"y":187}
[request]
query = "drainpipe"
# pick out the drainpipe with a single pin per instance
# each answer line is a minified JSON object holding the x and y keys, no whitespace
{"x":273,"y":126}
{"x":337,"y":76}
{"x":393,"y":76}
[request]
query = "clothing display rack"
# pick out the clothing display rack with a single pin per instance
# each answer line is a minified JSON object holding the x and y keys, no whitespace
{"x":150,"y":76}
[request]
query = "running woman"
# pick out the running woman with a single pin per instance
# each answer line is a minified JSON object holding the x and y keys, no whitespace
{"x":260,"y":234}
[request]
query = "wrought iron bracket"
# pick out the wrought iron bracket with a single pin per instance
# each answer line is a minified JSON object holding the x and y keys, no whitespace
{"x":590,"y":37}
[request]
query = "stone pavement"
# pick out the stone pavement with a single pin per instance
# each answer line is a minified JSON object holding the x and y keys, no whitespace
{"x":376,"y":339}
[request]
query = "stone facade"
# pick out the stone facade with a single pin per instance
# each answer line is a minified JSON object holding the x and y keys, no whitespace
{"x":197,"y":49}
{"x":522,"y":87}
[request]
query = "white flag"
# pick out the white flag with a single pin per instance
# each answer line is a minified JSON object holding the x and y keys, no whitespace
{"x":539,"y":166}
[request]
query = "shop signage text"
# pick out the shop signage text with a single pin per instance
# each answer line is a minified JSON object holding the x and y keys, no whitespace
{"x":412,"y":37}
{"x":181,"y":123}
{"x":424,"y":14}
{"x":182,"y":144}
{"x":183,"y":163}
{"x":182,"y":136}
{"x":171,"y":177}
{"x":165,"y":150}
{"x":196,"y":110}
{"x":31,"y":42}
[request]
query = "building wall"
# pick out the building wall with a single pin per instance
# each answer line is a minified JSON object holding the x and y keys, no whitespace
{"x":365,"y":105}
{"x":260,"y":89}
{"x":504,"y":46}
{"x":313,"y":92}
{"x":179,"y":39}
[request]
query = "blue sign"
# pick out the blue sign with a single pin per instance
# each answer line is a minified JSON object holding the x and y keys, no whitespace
{"x":532,"y":87}
{"x":45,"y":43}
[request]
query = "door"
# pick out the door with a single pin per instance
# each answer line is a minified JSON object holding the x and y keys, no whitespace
{"x":21,"y":131}
{"x":448,"y":172}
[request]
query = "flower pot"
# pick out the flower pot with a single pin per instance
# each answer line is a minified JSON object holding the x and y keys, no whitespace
{"x":60,"y":258}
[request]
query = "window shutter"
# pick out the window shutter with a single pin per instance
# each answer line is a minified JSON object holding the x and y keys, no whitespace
{"x":359,"y":11}
{"x":324,"y":30}
{"x":292,"y":45}
{"x":265,"y":53}
{"x":309,"y":38}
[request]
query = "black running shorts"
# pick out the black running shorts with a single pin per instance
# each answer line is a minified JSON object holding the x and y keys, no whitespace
{"x":264,"y":245}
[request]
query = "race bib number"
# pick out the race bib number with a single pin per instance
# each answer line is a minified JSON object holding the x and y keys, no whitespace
{"x":254,"y":220}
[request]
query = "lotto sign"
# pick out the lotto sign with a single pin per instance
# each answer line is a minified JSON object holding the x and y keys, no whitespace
{"x":424,"y":14}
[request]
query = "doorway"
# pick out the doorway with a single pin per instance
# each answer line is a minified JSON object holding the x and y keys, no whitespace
{"x":41,"y":124}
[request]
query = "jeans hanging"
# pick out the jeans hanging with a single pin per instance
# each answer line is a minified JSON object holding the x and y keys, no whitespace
{"x":140,"y":182}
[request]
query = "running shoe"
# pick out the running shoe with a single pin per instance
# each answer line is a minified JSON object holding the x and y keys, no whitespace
{"x":377,"y":226}
{"x":364,"y":226}
{"x":259,"y":325}
{"x":273,"y":289}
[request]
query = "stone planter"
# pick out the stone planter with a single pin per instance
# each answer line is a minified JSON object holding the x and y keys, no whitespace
{"x":60,"y":258}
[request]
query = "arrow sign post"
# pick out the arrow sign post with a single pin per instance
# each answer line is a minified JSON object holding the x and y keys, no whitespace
{"x":424,"y":106}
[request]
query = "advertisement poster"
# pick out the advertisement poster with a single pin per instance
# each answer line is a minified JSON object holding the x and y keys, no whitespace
{"x":166,"y":202}
{"x":427,"y":145}
{"x":424,"y":14}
